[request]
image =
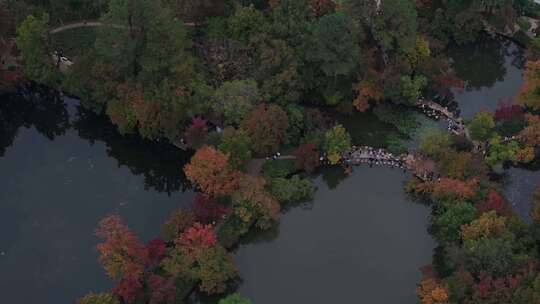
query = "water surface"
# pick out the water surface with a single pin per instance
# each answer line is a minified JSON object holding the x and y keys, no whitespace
{"x":62,"y":170}
{"x":352,"y":244}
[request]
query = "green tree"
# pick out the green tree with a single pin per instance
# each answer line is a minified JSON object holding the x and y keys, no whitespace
{"x":237,"y":145}
{"x":335,"y":45}
{"x":336,"y":140}
{"x":447,"y":226}
{"x":500,"y":152}
{"x":291,"y":190}
{"x":435,"y":144}
{"x":32,"y":41}
{"x":234,"y":298}
{"x":395,"y":26}
{"x":100,"y":298}
{"x":481,"y":126}
{"x":411,"y":88}
{"x":245,"y":23}
{"x":234,"y":99}
{"x":492,"y":255}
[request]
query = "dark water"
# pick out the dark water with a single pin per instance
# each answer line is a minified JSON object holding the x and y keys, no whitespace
{"x":492,"y":71}
{"x":61,"y":171}
{"x":361,"y":242}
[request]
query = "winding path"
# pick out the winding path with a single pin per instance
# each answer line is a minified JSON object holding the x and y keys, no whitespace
{"x":95,"y":23}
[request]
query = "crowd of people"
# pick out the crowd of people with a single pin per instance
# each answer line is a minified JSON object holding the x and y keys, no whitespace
{"x":372,"y":156}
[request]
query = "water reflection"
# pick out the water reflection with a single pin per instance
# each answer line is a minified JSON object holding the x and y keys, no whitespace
{"x":63,"y":169}
{"x":492,"y":71}
{"x":51,"y":115}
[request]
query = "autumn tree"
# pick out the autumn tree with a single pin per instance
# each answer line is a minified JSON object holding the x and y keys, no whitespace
{"x":162,"y":290}
{"x":100,"y":298}
{"x":307,"y":157}
{"x":208,"y":210}
{"x":196,"y":239}
{"x":530,"y":136}
{"x":179,"y":221}
{"x":336,"y":141}
{"x":266,"y":125}
{"x":210,"y":170}
{"x":453,"y":189}
{"x":121,"y":252}
{"x":197,"y":133}
{"x":529,"y":94}
{"x":495,"y":202}
{"x":501,"y":152}
{"x":253,"y":204}
{"x":431,"y":292}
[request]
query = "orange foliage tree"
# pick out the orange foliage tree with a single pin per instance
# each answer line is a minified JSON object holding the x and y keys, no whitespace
{"x":431,"y":292}
{"x":448,"y":188}
{"x":252,"y":203}
{"x":210,"y":170}
{"x":121,"y":253}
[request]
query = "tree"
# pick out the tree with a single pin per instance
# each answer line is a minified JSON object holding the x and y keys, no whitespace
{"x":492,"y":255}
{"x":253,"y":204}
{"x":529,"y":94}
{"x":121,"y":253}
{"x":155,"y":251}
{"x":179,"y":221}
{"x":488,"y":225}
{"x":411,"y":88}
{"x":531,"y":134}
{"x":336,"y":141}
{"x":197,"y":133}
{"x":208,"y":210}
{"x":234,"y":298}
{"x":245,"y":23}
{"x":334,"y":46}
{"x":307,"y":157}
{"x":277,"y":69}
{"x":395,"y":26}
{"x":266,"y":125}
{"x":435,"y":144}
{"x":291,"y":190}
{"x":215,"y":267}
{"x":453,"y":189}
{"x":334,"y":51}
{"x":432,"y":292}
{"x":129,"y":289}
{"x":495,"y":202}
{"x":162,"y":290}
{"x":211,"y":171}
{"x":481,"y":126}
{"x":32,"y":41}
{"x":501,"y":152}
{"x":448,"y":225}
{"x":234,"y":100}
{"x":236,"y":144}
{"x":147,"y":50}
{"x":100,"y":298}
{"x":196,"y":239}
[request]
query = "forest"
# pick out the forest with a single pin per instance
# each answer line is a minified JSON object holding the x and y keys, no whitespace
{"x":253,"y":90}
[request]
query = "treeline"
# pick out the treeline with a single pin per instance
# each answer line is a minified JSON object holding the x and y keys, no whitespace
{"x":253,"y":78}
{"x":153,"y":74}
